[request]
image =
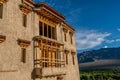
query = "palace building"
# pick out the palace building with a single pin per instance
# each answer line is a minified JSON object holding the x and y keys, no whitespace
{"x":36,"y":43}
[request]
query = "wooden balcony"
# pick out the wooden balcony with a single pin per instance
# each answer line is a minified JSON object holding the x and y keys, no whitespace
{"x":45,"y":62}
{"x":50,"y":67}
{"x":46,"y":72}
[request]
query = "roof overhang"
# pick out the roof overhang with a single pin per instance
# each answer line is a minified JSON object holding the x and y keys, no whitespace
{"x":45,"y":10}
{"x":68,"y":26}
{"x":30,"y":2}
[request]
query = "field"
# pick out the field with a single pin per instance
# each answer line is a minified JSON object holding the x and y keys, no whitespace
{"x":100,"y":64}
{"x":100,"y":74}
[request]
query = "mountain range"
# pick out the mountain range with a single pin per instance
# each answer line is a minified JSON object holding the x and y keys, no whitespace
{"x":100,"y":54}
{"x":101,"y":58}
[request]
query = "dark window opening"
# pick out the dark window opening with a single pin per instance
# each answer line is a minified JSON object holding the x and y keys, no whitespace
{"x":23,"y":55}
{"x":55,"y":37}
{"x":40,"y":28}
{"x":1,"y":11}
{"x":45,"y":30}
{"x":73,"y":60}
{"x":24,"y":20}
{"x":49,"y":31}
{"x":53,"y":33}
{"x":66,"y":58}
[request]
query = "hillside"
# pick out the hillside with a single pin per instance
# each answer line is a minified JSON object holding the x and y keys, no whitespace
{"x":101,"y":54}
{"x":100,"y":64}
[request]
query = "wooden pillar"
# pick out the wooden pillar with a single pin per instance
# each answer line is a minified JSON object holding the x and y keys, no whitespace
{"x":56,"y":58}
{"x":41,"y":52}
{"x":55,"y":33}
{"x":43,"y":29}
{"x":47,"y":31}
{"x":47,"y":57}
{"x":51,"y":33}
{"x":53,"y":58}
{"x":49,"y":52}
{"x":43,"y":56}
{"x":37,"y":55}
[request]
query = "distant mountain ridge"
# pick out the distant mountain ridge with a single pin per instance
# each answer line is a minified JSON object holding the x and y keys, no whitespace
{"x":100,"y":54}
{"x":101,"y":64}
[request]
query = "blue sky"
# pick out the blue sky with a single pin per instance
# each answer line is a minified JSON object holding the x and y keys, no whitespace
{"x":97,"y":22}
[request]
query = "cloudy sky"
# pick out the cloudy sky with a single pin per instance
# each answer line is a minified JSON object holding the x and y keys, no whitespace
{"x":97,"y":22}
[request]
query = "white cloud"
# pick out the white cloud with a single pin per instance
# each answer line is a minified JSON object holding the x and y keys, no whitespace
{"x":88,"y":39}
{"x":109,"y":41}
{"x":105,"y":46}
{"x":112,"y":41}
{"x":118,"y":29}
{"x":117,"y":40}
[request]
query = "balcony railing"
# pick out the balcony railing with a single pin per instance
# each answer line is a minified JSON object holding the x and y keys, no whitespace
{"x":45,"y":62}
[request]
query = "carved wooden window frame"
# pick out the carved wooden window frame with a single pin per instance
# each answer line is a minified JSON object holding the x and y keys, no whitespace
{"x":71,"y":37}
{"x":2,"y":3}
{"x":2,"y":38}
{"x":66,"y":52}
{"x":23,"y":55}
{"x":24,"y":20}
{"x":23,"y":44}
{"x":2,"y":7}
{"x":65,"y":34}
{"x":25,"y":9}
{"x":47,"y":30}
{"x":73,"y":57}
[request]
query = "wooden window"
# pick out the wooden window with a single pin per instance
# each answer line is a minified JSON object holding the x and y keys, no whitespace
{"x":40,"y":28}
{"x":66,"y":58}
{"x":1,"y":11}
{"x":24,"y":20}
{"x":49,"y":31}
{"x":23,"y":59}
{"x":53,"y":33}
{"x":45,"y":29}
{"x":71,"y":39}
{"x":73,"y":59}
